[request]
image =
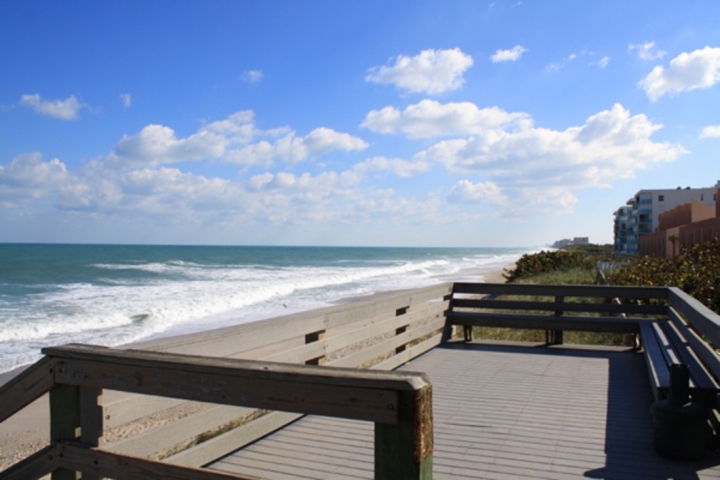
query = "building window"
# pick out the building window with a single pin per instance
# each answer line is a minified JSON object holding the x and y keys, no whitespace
{"x":661,"y":198}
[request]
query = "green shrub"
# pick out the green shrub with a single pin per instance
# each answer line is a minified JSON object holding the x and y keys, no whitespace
{"x":543,"y":262}
{"x":695,"y":270}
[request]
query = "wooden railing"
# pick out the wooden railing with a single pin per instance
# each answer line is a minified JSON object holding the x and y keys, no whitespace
{"x":379,"y":334}
{"x":569,"y":307}
{"x":560,"y":308}
{"x":400,"y":404}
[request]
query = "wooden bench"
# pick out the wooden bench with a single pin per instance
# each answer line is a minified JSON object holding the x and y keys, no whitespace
{"x":664,"y":344}
{"x":479,"y":305}
{"x":671,"y":323}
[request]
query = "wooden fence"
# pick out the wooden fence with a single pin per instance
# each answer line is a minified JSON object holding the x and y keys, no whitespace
{"x":379,"y":334}
{"x":400,"y":404}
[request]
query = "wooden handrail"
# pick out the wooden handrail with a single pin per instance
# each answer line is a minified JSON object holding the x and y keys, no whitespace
{"x":600,"y":291}
{"x":29,"y":385}
{"x":698,"y":315}
{"x":400,"y":403}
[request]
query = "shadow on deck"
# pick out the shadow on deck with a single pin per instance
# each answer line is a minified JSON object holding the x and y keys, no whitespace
{"x":501,"y":411}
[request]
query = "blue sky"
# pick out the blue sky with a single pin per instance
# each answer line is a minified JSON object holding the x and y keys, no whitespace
{"x":373,"y":123}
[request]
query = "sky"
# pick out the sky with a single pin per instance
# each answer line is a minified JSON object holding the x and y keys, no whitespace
{"x":373,"y":123}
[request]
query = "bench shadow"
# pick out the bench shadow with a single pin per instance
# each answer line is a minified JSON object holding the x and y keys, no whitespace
{"x":629,"y":442}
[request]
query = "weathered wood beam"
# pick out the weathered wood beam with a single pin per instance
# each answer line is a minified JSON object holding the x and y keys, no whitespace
{"x":565,"y":290}
{"x":32,"y":383}
{"x":33,"y":467}
{"x":545,"y":322}
{"x":707,"y":354}
{"x":64,"y":421}
{"x":105,"y":464}
{"x":701,"y":317}
{"x":568,"y":306}
{"x":404,"y":451}
{"x":328,"y":391}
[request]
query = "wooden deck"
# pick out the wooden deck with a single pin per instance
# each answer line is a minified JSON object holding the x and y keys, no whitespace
{"x":501,"y":411}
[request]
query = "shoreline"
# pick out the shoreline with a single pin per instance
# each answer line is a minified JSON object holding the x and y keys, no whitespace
{"x":27,"y":431}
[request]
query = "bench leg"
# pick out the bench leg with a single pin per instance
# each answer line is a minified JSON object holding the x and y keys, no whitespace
{"x":467,"y":333}
{"x":554,"y":337}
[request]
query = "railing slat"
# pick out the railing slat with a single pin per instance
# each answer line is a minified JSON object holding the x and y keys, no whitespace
{"x":234,"y":439}
{"x":112,"y":465}
{"x":545,"y":322}
{"x":32,"y":383}
{"x":328,"y":391}
{"x":33,"y":467}
{"x":701,"y":317}
{"x":568,"y":306}
{"x":565,"y":290}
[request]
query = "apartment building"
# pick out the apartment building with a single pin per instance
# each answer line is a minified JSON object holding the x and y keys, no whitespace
{"x":641,"y":213}
{"x":681,"y":228}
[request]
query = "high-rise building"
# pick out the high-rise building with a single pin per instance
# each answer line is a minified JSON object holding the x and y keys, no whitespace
{"x":641,"y":213}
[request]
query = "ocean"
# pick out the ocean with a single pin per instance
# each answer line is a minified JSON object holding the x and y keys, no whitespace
{"x":116,"y":294}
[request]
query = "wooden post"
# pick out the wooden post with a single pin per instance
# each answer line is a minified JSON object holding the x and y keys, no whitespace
{"x":311,"y":338}
{"x":399,"y":331}
{"x":404,"y":451}
{"x":75,"y":414}
{"x":91,"y":421}
{"x":556,"y":336}
{"x":467,"y":333}
{"x":64,"y":421}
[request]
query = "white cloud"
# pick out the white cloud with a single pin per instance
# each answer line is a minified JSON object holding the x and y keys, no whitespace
{"x":603,"y":62}
{"x":554,"y":67}
{"x":126,"y":99}
{"x":169,"y":195}
{"x":711,"y":131}
{"x":29,"y":177}
{"x":647,"y":51}
{"x":687,"y":71}
{"x":432,"y":119}
{"x":508,"y":55}
{"x":227,"y":140}
{"x":542,"y":200}
{"x":610,"y":145}
{"x":157,"y":145}
{"x":401,"y":168}
{"x":66,"y":109}
{"x":252,"y":76}
{"x":291,"y":148}
{"x":431,"y":71}
{"x":474,"y":193}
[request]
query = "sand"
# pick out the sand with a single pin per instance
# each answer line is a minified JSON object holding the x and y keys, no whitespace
{"x":27,"y":431}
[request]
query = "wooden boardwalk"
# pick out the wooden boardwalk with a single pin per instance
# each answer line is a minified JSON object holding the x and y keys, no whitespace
{"x":501,"y":411}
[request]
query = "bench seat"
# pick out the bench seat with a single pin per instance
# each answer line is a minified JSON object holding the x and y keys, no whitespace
{"x":664,"y":345}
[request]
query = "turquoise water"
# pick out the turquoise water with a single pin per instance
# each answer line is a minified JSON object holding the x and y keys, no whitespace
{"x":116,"y":294}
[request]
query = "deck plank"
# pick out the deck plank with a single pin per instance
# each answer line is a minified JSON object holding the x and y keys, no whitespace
{"x":500,"y":412}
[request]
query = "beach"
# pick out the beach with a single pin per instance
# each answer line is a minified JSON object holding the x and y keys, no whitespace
{"x":27,"y":431}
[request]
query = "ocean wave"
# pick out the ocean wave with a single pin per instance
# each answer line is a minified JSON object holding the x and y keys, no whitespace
{"x":131,"y":307}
